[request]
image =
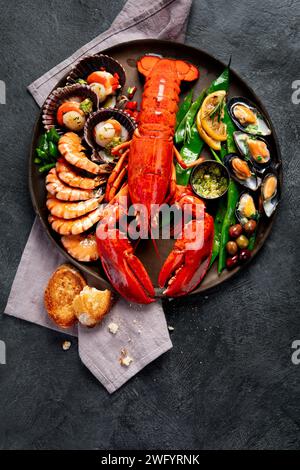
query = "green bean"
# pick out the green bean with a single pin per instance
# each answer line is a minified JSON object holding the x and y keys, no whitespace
{"x":42,"y":154}
{"x":43,"y":143}
{"x":232,"y":198}
{"x":53,"y":135}
{"x":47,"y":167}
{"x":184,"y":107}
{"x":53,"y":150}
{"x":189,"y":152}
{"x":218,"y":222}
{"x":221,"y":83}
{"x":183,"y":133}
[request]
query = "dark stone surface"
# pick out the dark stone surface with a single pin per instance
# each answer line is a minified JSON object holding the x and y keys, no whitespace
{"x":229,"y":381}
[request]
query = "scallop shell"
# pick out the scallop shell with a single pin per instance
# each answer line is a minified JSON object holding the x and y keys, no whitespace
{"x":102,"y":115}
{"x":97,"y":62}
{"x":59,"y":96}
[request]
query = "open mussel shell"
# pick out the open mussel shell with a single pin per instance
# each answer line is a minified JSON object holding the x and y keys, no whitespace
{"x":270,"y":193}
{"x":247,"y":117}
{"x":94,"y":63}
{"x":242,"y":171}
{"x":74,"y":92}
{"x":103,"y":114}
{"x":243,"y":142}
{"x":246,"y":208}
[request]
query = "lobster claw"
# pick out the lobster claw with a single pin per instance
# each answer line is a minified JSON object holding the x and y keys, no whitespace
{"x":189,"y":260}
{"x":124,"y":270}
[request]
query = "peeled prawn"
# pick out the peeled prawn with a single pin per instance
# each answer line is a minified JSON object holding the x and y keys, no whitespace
{"x":75,"y":226}
{"x":81,"y":247}
{"x":64,"y":192}
{"x":66,"y":174}
{"x":71,"y":210}
{"x":70,"y":147}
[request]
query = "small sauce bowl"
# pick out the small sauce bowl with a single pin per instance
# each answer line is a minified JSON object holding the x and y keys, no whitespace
{"x":205,"y":177}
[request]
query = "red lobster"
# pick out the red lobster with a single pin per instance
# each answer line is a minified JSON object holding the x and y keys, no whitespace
{"x":149,"y":161}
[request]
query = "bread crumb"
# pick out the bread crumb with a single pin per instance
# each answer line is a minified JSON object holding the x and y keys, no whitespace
{"x":66,"y":345}
{"x":113,"y":328}
{"x":171,"y":328}
{"x":125,"y":359}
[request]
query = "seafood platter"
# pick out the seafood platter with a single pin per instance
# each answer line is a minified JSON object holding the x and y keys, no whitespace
{"x":146,"y":126}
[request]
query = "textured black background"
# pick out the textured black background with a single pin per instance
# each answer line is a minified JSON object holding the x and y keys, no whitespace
{"x":229,"y":381}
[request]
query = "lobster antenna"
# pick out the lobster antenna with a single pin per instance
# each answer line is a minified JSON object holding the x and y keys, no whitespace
{"x":155,"y":247}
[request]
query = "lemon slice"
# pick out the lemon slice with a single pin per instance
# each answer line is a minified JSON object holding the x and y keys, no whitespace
{"x":211,"y":114}
{"x":214,"y":144}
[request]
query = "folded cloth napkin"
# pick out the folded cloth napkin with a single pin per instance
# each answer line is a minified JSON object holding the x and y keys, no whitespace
{"x":142,"y":331}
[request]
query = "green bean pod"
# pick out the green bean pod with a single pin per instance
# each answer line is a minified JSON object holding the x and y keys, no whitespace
{"x":183,"y":133}
{"x":184,"y":107}
{"x":218,"y":222}
{"x":229,"y":218}
{"x":189,"y":152}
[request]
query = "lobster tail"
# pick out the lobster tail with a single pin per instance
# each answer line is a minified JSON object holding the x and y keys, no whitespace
{"x":185,"y":70}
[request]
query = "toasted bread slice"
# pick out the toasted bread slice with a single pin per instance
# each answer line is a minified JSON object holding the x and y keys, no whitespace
{"x":91,"y":305}
{"x":65,"y":283}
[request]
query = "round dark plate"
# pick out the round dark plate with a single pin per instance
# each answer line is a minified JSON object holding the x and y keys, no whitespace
{"x":127,"y":54}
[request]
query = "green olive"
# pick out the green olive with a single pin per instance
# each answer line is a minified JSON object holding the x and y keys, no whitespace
{"x":231,"y":248}
{"x":242,"y":242}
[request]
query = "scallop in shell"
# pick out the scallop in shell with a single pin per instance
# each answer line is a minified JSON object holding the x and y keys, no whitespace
{"x":247,"y":117}
{"x":103,"y":64}
{"x":73,"y":94}
{"x":96,"y":121}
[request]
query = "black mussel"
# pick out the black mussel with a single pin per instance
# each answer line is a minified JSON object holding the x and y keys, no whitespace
{"x":253,"y":148}
{"x":242,"y":171}
{"x":246,"y":209}
{"x":247,"y":117}
{"x":270,"y":193}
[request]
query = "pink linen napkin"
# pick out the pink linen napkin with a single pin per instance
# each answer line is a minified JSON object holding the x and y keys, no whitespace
{"x":142,"y":330}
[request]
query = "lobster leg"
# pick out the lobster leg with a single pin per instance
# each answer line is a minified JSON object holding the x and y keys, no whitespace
{"x":189,"y":260}
{"x":117,"y":149}
{"x":124,"y":270}
{"x":185,"y":165}
{"x":115,"y":180}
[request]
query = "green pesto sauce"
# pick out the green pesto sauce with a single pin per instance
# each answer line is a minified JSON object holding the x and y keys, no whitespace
{"x":209,"y":181}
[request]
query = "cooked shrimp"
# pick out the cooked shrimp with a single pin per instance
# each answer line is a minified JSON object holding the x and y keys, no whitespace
{"x":70,"y":147}
{"x":66,"y":174}
{"x":64,"y":192}
{"x":71,"y":210}
{"x":81,"y":247}
{"x":75,"y":226}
